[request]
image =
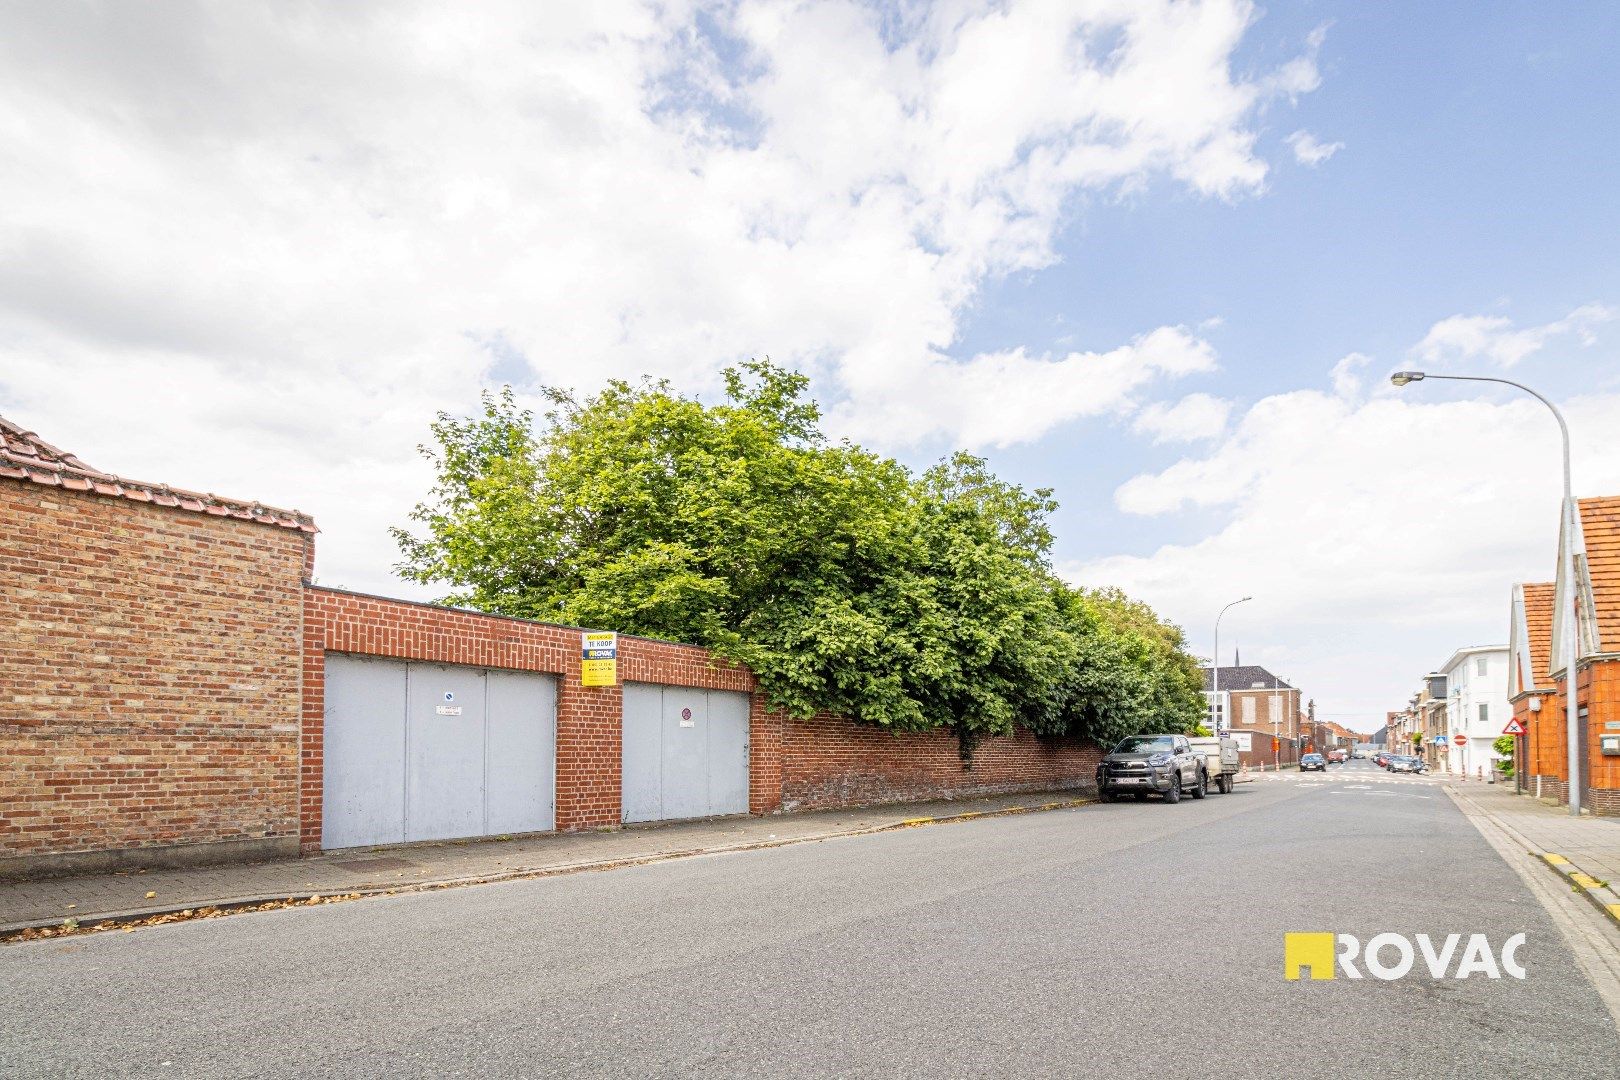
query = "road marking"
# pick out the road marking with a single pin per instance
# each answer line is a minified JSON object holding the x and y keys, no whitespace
{"x":1556,"y":860}
{"x":1585,"y":881}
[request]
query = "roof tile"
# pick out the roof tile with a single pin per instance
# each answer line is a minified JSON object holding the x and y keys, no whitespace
{"x":1538,"y":620}
{"x":1600,"y":533}
{"x":25,"y":456}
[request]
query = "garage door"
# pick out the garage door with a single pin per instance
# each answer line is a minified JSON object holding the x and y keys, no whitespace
{"x":685,"y":752}
{"x":435,"y":752}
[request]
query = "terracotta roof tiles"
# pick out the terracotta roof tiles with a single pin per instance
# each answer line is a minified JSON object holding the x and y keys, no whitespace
{"x":25,"y":456}
{"x":1600,"y":532}
{"x":1538,"y":621}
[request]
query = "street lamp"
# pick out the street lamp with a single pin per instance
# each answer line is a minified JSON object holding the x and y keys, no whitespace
{"x":1571,"y":648}
{"x":1215,"y":674}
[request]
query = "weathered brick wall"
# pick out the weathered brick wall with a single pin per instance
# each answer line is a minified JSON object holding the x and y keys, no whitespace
{"x":832,"y":762}
{"x":149,"y":683}
{"x":589,"y":719}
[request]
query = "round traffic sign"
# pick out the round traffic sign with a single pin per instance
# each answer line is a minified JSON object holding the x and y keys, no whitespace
{"x":1460,"y":740}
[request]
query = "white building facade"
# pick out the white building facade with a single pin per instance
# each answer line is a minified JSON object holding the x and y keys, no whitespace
{"x":1476,"y":706}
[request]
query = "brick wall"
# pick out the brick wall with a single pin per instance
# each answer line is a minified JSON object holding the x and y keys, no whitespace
{"x":1600,"y":693}
{"x":589,"y":718}
{"x":1553,"y":788}
{"x":1547,"y":735}
{"x":831,"y":762}
{"x":149,"y":683}
{"x":1288,"y":705}
{"x":1260,"y":752}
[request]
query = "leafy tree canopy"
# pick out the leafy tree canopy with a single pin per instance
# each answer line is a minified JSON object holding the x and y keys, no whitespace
{"x":847,"y":582}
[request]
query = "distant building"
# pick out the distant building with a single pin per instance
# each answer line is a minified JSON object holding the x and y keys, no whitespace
{"x":1256,"y":706}
{"x":1476,"y":708}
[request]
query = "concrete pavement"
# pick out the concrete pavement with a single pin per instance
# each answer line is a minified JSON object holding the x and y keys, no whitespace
{"x":1584,"y":850}
{"x":1125,"y":939}
{"x":89,"y":898}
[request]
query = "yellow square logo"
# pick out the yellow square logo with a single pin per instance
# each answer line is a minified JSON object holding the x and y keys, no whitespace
{"x":1314,"y":951}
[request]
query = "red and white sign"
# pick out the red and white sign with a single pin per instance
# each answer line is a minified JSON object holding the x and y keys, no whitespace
{"x":1460,"y":740}
{"x":1514,"y":727}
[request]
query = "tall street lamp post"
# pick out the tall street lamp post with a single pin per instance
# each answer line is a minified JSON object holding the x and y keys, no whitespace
{"x":1215,"y":675}
{"x":1571,"y":649}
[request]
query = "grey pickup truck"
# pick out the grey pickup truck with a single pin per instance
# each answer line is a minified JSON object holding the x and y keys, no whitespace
{"x":1142,"y":764}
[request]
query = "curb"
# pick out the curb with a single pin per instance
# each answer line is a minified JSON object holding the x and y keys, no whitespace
{"x":30,"y":930}
{"x":1600,"y":894}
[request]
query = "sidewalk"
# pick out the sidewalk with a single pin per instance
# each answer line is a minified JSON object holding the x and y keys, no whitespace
{"x":139,"y":894}
{"x":1585,"y":850}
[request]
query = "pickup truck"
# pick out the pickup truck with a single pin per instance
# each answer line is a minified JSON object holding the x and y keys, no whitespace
{"x":1221,"y":761}
{"x":1141,"y":764}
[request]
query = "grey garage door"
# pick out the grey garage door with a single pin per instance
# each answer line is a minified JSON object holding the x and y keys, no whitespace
{"x":434,"y":752}
{"x":685,"y":752}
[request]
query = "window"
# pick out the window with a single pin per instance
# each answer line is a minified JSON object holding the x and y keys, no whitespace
{"x":1248,"y":710}
{"x":1274,"y":708}
{"x":1484,"y":713}
{"x":1482,"y":666}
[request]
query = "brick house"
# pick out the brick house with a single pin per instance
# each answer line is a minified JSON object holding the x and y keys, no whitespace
{"x":1257,"y":707}
{"x":1597,"y":669}
{"x":174,"y":689}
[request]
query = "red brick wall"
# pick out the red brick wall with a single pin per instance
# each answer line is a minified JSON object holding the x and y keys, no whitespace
{"x":831,"y":762}
{"x":589,"y":719}
{"x":1260,"y":752}
{"x":1288,"y":704}
{"x":1547,"y":734}
{"x":149,"y":683}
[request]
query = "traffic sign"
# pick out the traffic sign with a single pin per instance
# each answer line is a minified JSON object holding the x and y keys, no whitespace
{"x":1460,"y":740}
{"x":1513,"y":727}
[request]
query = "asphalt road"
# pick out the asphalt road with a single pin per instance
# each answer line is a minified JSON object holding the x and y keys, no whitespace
{"x":1134,"y":939}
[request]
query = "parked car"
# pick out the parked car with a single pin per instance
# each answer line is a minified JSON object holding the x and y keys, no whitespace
{"x":1381,"y":760}
{"x":1144,"y":764}
{"x":1405,"y":764}
{"x":1313,"y":761}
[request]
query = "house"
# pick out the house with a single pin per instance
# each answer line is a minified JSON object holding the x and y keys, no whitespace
{"x":1475,"y":708}
{"x":1596,"y":588}
{"x":1261,"y":710}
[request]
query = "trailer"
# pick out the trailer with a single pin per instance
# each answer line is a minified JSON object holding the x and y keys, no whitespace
{"x":1221,"y":762}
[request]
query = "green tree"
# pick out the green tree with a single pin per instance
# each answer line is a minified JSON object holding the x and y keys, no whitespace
{"x":1506,"y":747}
{"x":846,"y":582}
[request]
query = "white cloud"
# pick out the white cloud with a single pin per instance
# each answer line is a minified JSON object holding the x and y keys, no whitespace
{"x":1494,"y":338}
{"x":1346,"y":383}
{"x":1194,"y":417}
{"x":1309,"y":151}
{"x":1376,"y":533}
{"x":280,"y":238}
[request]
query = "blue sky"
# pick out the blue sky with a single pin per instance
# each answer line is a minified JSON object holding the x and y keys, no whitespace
{"x":1158,"y":256}
{"x":1482,"y":146}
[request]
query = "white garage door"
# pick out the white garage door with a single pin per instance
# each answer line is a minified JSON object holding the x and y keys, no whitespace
{"x":685,"y":752}
{"x":435,"y":752}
